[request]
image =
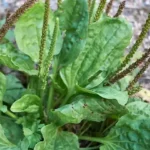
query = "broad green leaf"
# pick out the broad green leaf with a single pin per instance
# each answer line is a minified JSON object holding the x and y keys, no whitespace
{"x":112,"y":93}
{"x":108,"y":93}
{"x":132,"y":132}
{"x":32,"y":132}
{"x":14,"y":89}
{"x":5,"y":144}
{"x":67,"y":141}
{"x":3,"y":108}
{"x":2,"y":87}
{"x":139,"y":107}
{"x":31,"y":129}
{"x":74,"y":22}
{"x":24,"y":144}
{"x":11,"y":129}
{"x":57,"y":140}
{"x":104,"y":49}
{"x":28,"y":103}
{"x":28,"y":31}
{"x":87,"y":108}
{"x":13,"y":59}
{"x":49,"y":133}
{"x":33,"y":139}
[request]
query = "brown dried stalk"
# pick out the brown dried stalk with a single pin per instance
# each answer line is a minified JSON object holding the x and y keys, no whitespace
{"x":109,"y":6}
{"x":134,"y":90}
{"x":8,"y":14}
{"x":130,"y":68}
{"x":120,"y":9}
{"x":138,"y":42}
{"x":13,"y":18}
{"x":138,"y":76}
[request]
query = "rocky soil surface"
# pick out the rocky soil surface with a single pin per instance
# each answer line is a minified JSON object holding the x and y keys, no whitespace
{"x":136,"y":11}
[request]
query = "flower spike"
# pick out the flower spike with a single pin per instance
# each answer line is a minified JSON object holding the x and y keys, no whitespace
{"x":44,"y":33}
{"x":134,"y":90}
{"x":91,"y":10}
{"x":109,"y":6}
{"x":100,"y":10}
{"x":50,"y":53}
{"x":130,"y":68}
{"x":145,"y":29}
{"x":120,"y":9}
{"x":14,"y":17}
{"x":138,"y":76}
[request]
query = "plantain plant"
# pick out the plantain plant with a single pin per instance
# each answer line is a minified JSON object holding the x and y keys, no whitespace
{"x":79,"y":93}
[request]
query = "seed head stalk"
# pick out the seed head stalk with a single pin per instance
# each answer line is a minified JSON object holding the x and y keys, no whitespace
{"x":109,"y":6}
{"x":8,"y":14}
{"x":48,"y":62}
{"x":138,"y":76}
{"x":120,"y":9}
{"x":130,"y":68}
{"x":91,"y":10}
{"x":141,"y":37}
{"x":15,"y":16}
{"x":44,"y":34}
{"x":134,"y":90}
{"x":50,"y":53}
{"x":100,"y":10}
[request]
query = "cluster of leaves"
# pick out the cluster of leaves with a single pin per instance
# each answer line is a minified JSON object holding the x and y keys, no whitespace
{"x":84,"y":101}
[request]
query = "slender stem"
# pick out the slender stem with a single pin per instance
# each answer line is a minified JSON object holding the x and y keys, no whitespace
{"x":50,"y":99}
{"x":91,"y":10}
{"x":83,"y":125}
{"x":41,"y":106}
{"x":90,"y":148}
{"x":102,"y":126}
{"x":89,"y":4}
{"x":66,"y":98}
{"x":111,"y":125}
{"x":85,"y":129}
{"x":92,"y":139}
{"x":58,"y":101}
{"x":10,"y":114}
{"x":51,"y":91}
{"x":50,"y":54}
